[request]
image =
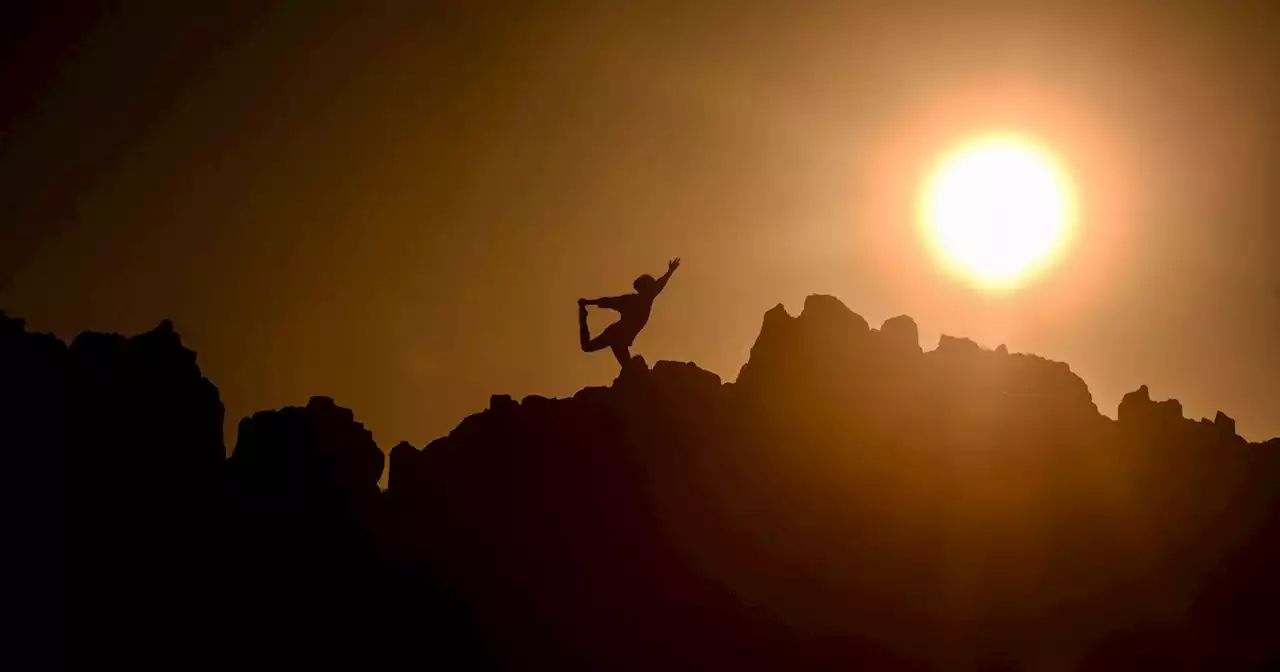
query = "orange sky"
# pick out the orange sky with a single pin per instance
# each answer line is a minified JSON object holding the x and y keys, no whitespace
{"x":399,"y":209}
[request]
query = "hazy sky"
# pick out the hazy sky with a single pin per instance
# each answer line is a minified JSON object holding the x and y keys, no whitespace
{"x":399,"y":208}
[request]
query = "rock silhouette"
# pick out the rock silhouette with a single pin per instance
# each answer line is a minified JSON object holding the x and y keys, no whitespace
{"x":851,"y":501}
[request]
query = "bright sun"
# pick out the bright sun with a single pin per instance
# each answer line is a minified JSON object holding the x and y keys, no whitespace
{"x":997,"y":210}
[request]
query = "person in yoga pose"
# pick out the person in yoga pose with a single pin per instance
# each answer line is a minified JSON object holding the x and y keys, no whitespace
{"x":634,"y":309}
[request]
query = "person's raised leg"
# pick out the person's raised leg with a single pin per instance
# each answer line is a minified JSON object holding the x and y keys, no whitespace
{"x":604,"y":340}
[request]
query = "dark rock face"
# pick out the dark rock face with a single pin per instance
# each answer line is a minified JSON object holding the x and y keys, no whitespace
{"x":849,"y":502}
{"x":120,"y":458}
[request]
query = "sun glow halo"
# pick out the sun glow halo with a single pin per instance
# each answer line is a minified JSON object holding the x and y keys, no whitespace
{"x":997,"y":210}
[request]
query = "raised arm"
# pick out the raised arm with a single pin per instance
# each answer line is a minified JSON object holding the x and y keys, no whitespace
{"x":671,"y":268}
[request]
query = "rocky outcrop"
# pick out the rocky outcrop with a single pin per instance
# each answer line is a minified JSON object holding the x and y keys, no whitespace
{"x":294,"y":451}
{"x":851,"y":501}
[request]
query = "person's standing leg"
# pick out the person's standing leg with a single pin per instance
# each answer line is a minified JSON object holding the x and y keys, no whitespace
{"x":623,"y":352}
{"x":584,"y":334}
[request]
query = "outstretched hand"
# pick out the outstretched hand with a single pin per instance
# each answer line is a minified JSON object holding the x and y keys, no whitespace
{"x":673,"y":264}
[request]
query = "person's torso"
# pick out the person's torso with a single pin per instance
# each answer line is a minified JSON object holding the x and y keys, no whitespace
{"x":635,"y":311}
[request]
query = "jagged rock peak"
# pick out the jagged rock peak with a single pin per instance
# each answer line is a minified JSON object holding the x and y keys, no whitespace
{"x":1224,"y":423}
{"x":825,"y":327}
{"x":776,"y":315}
{"x":1137,"y":407}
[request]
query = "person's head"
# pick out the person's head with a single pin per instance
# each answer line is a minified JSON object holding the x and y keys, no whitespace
{"x":645,"y":284}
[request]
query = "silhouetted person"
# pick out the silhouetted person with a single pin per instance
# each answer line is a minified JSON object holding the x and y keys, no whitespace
{"x":634,"y":309}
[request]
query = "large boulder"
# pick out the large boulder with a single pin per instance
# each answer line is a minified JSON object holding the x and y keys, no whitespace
{"x":900,"y":335}
{"x":828,"y":315}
